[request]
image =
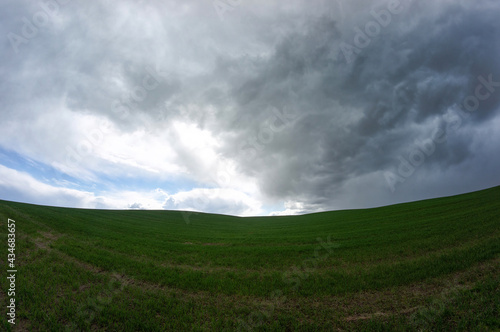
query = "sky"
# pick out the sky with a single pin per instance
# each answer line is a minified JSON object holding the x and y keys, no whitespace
{"x":247,"y":107}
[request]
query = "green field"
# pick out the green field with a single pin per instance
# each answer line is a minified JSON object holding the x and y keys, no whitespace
{"x":427,"y":265}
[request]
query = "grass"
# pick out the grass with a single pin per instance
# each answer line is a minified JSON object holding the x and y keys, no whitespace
{"x":427,"y":265}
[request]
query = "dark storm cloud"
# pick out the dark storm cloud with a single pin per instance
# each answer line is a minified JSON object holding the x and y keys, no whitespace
{"x":358,"y":118}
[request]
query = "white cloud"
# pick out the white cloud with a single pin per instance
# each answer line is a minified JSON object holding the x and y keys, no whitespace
{"x":296,"y":208}
{"x":20,"y":186}
{"x":226,"y":201}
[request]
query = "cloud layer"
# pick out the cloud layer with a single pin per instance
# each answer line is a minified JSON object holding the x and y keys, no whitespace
{"x":250,"y":108}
